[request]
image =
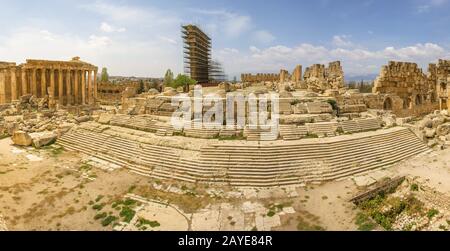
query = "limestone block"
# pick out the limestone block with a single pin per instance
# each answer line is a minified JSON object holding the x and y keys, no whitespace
{"x":362,"y":181}
{"x":438,"y":121}
{"x":43,"y":139}
{"x":63,"y":128}
{"x":432,"y":143}
{"x":11,"y":127}
{"x":430,"y":133}
{"x":443,"y":129}
{"x":105,"y":118}
{"x":425,"y":123}
{"x":84,"y":118}
{"x":21,"y":138}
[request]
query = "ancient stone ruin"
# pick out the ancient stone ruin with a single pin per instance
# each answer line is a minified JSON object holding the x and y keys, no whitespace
{"x":64,"y":83}
{"x":315,"y":104}
{"x":319,"y":78}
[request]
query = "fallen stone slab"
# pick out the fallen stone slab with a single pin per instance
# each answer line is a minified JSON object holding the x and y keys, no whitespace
{"x":84,"y":118}
{"x":21,"y":138}
{"x":41,"y":139}
{"x":105,"y":118}
{"x":362,"y":181}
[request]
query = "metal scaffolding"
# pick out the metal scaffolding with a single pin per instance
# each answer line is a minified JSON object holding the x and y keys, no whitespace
{"x":197,"y":53}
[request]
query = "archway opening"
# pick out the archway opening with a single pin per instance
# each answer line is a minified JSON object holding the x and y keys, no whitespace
{"x":418,"y":99}
{"x":406,"y":103}
{"x":387,"y":105}
{"x":443,"y":86}
{"x":433,"y":97}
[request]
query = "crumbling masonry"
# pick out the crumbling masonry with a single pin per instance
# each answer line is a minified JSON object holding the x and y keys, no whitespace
{"x":62,"y":82}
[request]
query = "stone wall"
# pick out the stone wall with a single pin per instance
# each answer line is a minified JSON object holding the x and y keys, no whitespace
{"x":259,"y":77}
{"x":64,"y":83}
{"x":319,"y":78}
{"x":109,"y":93}
{"x":406,"y":90}
{"x":441,"y":74}
{"x":297,"y":74}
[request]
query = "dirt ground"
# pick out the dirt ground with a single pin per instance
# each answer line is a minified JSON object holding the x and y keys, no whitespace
{"x":52,"y":189}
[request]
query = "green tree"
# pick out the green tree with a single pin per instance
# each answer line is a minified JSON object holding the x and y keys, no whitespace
{"x":105,"y":76}
{"x":183,"y":80}
{"x":168,"y":78}
{"x":141,"y":86}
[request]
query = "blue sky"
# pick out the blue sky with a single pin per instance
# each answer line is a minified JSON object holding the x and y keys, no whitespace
{"x":142,"y":38}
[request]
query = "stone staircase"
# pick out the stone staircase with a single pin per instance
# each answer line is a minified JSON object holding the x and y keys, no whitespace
{"x":142,"y":123}
{"x":309,"y":162}
{"x":249,"y":164}
{"x":292,"y":132}
{"x":350,"y":126}
{"x":323,"y":128}
{"x":258,"y":134}
{"x":229,"y":132}
{"x":358,"y":125}
{"x":369,"y":124}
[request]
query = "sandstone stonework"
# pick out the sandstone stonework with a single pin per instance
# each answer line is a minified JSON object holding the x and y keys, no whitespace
{"x":319,"y":78}
{"x":42,"y":139}
{"x":47,"y":81}
{"x":21,"y":138}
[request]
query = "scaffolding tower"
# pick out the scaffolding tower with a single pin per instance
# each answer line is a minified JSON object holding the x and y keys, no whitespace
{"x":216,"y":72}
{"x":197,"y":53}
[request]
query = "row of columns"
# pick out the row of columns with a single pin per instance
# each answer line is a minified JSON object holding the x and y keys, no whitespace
{"x":56,"y":83}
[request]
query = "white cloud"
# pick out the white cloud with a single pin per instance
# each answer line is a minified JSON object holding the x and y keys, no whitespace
{"x":427,"y":5}
{"x":228,"y":51}
{"x":263,"y":37}
{"x":105,"y":27}
{"x":167,"y":40}
{"x":423,"y":8}
{"x":233,"y":24}
{"x":99,"y":41}
{"x":342,"y":41}
{"x":254,"y":49}
{"x":120,"y":56}
{"x":355,"y":61}
{"x":116,"y":12}
{"x":128,"y":14}
{"x":438,"y":2}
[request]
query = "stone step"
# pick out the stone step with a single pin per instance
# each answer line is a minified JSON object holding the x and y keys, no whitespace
{"x":290,"y":169}
{"x":344,"y":160}
{"x":305,"y":148}
{"x":372,"y":138}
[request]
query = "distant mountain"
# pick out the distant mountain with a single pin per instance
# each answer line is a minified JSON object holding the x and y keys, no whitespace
{"x":369,"y":77}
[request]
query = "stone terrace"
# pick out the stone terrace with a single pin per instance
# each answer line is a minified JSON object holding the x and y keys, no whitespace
{"x":242,"y":163}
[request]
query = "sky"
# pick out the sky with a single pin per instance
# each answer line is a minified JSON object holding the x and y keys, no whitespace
{"x":143,"y":38}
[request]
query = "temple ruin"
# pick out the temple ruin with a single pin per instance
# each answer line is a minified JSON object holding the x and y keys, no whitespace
{"x":404,"y":88}
{"x":64,"y":83}
{"x":319,"y":78}
{"x":311,"y":104}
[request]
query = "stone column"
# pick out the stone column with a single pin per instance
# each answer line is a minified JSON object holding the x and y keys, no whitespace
{"x":89,"y":94}
{"x":76,"y":87}
{"x":95,"y":85}
{"x":60,"y":87}
{"x":69,"y":86}
{"x":33,"y":83}
{"x":83,"y":87}
{"x":14,"y":95}
{"x":2,"y":87}
{"x":51,"y":93}
{"x":24,"y":82}
{"x":43,"y":83}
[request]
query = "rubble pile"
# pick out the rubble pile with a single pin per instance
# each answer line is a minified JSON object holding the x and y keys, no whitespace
{"x":434,"y":129}
{"x":29,"y":122}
